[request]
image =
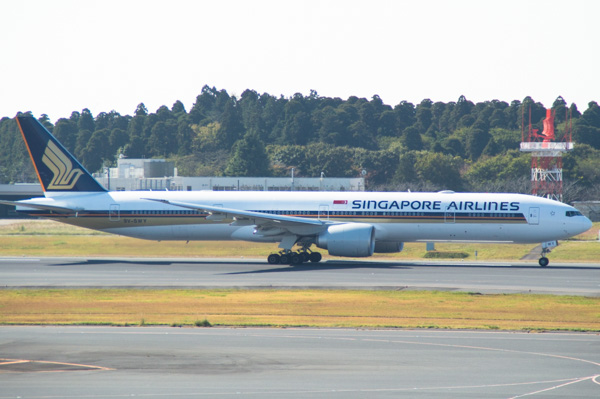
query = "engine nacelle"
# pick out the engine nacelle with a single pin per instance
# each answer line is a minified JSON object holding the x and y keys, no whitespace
{"x":388,"y":247}
{"x":350,"y":239}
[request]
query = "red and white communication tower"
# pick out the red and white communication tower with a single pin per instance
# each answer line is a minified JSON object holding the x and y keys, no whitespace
{"x":546,"y":155}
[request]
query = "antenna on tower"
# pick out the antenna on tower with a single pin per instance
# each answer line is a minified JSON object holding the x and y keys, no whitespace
{"x":546,"y":154}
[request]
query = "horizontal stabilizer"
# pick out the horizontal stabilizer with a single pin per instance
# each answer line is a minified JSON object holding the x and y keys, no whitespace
{"x":43,"y":207}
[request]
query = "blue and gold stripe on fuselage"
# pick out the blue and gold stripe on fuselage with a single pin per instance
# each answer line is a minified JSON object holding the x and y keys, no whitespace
{"x":101,"y":220}
{"x":126,"y":218}
{"x":408,"y":217}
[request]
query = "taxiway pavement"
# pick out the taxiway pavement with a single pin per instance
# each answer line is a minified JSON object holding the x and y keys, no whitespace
{"x":152,"y":362}
{"x":484,"y":277}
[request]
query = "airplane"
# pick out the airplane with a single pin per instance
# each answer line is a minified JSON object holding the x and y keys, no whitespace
{"x":346,"y":224}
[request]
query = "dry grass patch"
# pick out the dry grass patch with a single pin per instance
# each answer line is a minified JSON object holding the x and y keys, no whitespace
{"x":300,"y":308}
{"x":50,"y":238}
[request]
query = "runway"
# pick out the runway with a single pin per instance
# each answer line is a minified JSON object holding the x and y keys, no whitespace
{"x":483,"y":277}
{"x":295,"y":363}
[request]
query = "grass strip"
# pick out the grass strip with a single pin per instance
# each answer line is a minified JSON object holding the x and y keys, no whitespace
{"x":109,"y":245}
{"x":311,"y":308}
{"x":51,"y":238}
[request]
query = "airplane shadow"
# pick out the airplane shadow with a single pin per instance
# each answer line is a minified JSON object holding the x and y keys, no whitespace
{"x":344,"y":265}
{"x":326,"y":265}
{"x":148,"y":262}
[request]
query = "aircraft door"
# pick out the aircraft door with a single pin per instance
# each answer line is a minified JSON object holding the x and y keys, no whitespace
{"x":324,"y":212}
{"x":114,"y":212}
{"x":449,"y":216}
{"x":534,"y":215}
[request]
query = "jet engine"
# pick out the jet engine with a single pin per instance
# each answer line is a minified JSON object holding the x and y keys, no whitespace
{"x":350,"y":239}
{"x":388,"y":247}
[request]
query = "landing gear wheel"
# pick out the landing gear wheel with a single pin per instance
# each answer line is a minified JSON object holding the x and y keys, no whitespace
{"x":284,"y":259}
{"x":274,"y":259}
{"x":543,"y":261}
{"x":315,"y":257}
{"x":295,"y":258}
{"x":305,"y":256}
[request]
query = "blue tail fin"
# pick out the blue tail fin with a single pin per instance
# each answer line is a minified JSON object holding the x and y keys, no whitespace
{"x":56,"y":168}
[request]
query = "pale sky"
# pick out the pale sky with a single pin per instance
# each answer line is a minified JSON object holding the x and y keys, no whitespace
{"x":61,"y":56}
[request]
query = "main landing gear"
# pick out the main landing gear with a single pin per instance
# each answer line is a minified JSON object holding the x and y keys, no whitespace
{"x":294,"y":258}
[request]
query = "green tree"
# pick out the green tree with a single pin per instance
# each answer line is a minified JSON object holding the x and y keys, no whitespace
{"x":331,"y":160}
{"x":159,"y":140}
{"x":331,"y":135}
{"x":498,"y":119}
{"x":178,"y":108}
{"x":185,"y":135}
{"x":560,"y":109}
{"x":93,"y":153}
{"x":15,"y":165}
{"x":45,"y":120}
{"x":141,"y":110}
{"x":361,"y":136}
{"x":586,"y":134}
{"x":86,"y":121}
{"x":111,"y":120}
{"x":578,"y":165}
{"x":510,"y":165}
{"x":66,"y":132}
{"x":380,"y":165}
{"x":135,"y":147}
{"x":460,"y":115}
{"x":248,"y":158}
{"x":163,"y":113}
{"x":83,"y":136}
{"x":424,"y":115}
{"x":476,"y":141}
{"x":333,"y":125}
{"x":405,"y":171}
{"x":411,"y":139}
{"x":406,"y":115}
{"x":118,"y":139}
{"x":205,"y":138}
{"x":297,"y":127}
{"x":591,"y":116}
{"x":232,"y":128}
{"x":439,"y":169}
{"x":388,"y":124}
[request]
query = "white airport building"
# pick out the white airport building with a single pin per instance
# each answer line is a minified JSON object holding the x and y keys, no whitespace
{"x":158,"y":174}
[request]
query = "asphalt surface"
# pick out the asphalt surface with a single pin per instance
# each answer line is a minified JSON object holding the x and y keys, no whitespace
{"x":483,"y":277}
{"x":96,"y":362}
{"x":157,"y":362}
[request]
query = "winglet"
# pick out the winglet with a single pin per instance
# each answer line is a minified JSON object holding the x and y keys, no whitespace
{"x":56,"y":168}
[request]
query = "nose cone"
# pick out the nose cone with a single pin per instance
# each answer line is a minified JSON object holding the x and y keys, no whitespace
{"x":575,"y":222}
{"x":586,"y":224}
{"x":578,"y":225}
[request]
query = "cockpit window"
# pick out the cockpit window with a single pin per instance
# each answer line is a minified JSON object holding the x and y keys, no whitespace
{"x":570,"y":214}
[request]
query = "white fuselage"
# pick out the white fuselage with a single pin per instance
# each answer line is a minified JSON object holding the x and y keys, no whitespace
{"x":396,"y":216}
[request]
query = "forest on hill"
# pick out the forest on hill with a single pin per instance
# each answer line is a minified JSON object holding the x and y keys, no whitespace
{"x":461,"y":146}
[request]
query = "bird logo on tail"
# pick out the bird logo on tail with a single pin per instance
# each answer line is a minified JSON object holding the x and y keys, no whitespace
{"x":65,"y":176}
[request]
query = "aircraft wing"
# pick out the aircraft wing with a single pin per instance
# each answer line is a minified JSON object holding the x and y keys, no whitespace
{"x":43,"y":207}
{"x":293,"y":224}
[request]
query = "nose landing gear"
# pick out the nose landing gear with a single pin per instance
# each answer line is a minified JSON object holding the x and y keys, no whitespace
{"x":546,"y":248}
